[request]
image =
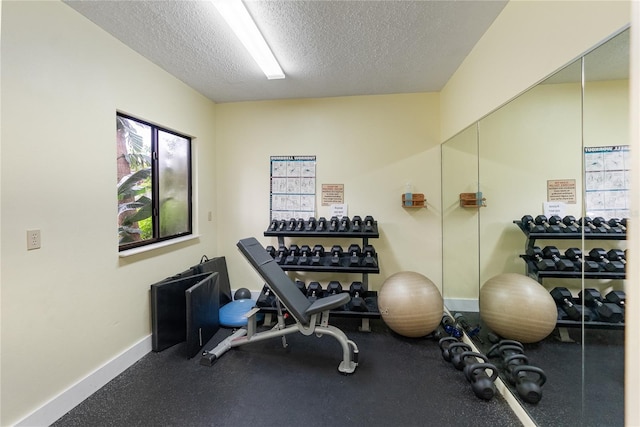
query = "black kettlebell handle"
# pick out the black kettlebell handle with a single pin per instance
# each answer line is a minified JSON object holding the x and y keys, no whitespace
{"x":461,"y":359}
{"x":477,"y":366}
{"x":445,"y":348}
{"x":455,"y":350}
{"x":542,"y":377}
{"x":494,"y":352}
{"x":468,"y":354}
{"x":509,"y":347}
{"x":524,"y":359}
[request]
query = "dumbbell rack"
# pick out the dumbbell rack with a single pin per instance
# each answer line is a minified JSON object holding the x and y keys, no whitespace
{"x":539,"y":275}
{"x":325,"y":266}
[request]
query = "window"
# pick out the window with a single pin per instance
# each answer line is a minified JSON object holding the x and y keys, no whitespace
{"x":154,"y":183}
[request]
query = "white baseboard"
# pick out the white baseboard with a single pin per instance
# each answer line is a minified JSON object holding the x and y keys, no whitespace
{"x":460,"y":304}
{"x":74,"y":395}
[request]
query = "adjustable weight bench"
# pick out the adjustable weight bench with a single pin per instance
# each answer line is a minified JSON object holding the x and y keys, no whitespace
{"x":310,"y":318}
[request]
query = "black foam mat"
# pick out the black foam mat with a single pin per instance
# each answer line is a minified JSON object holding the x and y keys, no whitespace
{"x":217,"y":265}
{"x":169,"y":310}
{"x":203,"y":320}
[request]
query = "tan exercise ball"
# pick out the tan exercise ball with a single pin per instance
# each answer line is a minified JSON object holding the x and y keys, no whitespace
{"x":410,"y":304}
{"x":517,"y":307}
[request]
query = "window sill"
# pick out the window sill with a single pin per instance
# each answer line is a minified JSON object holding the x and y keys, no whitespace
{"x":153,"y":246}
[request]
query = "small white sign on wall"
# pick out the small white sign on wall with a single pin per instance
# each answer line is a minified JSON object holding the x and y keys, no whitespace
{"x":338,"y":210}
{"x":555,"y":208}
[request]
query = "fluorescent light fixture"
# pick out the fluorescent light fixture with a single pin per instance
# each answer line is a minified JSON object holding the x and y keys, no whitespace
{"x":238,"y":18}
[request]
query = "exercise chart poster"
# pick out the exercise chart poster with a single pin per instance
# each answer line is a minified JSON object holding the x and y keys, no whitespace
{"x":607,"y":181}
{"x":292,"y":187}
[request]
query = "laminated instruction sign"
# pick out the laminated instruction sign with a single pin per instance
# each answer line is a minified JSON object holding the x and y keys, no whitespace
{"x":292,"y":187}
{"x":561,"y":190}
{"x":607,"y":180}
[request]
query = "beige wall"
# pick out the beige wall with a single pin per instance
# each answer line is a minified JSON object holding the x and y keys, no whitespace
{"x":460,"y":234}
{"x":529,"y":40}
{"x":371,"y":144}
{"x":73,"y":305}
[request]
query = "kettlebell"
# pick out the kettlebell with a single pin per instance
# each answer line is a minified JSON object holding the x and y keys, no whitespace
{"x":455,"y":352}
{"x":529,"y":389}
{"x":444,"y":344}
{"x":469,"y":358}
{"x":496,"y":350}
{"x":482,"y":384}
{"x":511,"y":362}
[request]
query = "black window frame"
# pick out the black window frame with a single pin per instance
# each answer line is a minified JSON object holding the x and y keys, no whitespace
{"x":155,"y":186}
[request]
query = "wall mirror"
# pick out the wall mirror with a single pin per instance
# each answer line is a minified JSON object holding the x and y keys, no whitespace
{"x":511,"y":156}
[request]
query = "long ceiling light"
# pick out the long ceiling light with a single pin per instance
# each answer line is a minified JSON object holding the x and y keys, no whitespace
{"x":238,"y":18}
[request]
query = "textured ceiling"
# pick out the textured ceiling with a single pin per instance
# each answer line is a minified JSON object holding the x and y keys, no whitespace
{"x":326,"y":48}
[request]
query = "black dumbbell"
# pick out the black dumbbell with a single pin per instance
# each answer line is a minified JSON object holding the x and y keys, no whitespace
{"x":472,"y":332}
{"x":564,"y":300}
{"x":314,"y":291}
{"x":282,"y":225}
{"x":542,"y":263}
{"x":266,"y":298}
{"x":617,"y":255}
{"x":310,"y":224}
{"x":527,"y":222}
{"x":281,"y":254}
{"x":617,"y":297}
{"x":274,"y":225}
{"x":345,"y":224}
{"x":271,"y":251}
{"x":557,"y":220}
{"x":334,"y":287}
{"x":305,"y":252}
{"x":291,"y":224}
{"x":449,"y":326}
{"x":620,"y":223}
{"x":369,"y":256}
{"x":368,"y":224}
{"x":553,"y":253}
{"x":356,"y":223}
{"x":336,"y":254}
{"x":355,"y":253}
{"x":357,"y":303}
{"x":601,"y":222}
{"x":321,"y":225}
{"x":317,"y":255}
{"x":294,"y":252}
{"x":300,"y":224}
{"x":571,"y":220}
{"x":334,"y":224}
{"x":548,"y":228}
{"x":606,"y":311}
{"x":600,"y":255}
{"x":575,"y":255}
{"x":588,"y":222}
{"x":303,"y":288}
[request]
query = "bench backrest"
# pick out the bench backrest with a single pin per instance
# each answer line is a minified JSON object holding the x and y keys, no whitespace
{"x":282,"y":286}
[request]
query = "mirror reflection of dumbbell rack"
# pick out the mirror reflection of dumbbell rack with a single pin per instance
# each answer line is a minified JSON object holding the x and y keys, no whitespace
{"x":539,"y":274}
{"x":354,"y":259}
